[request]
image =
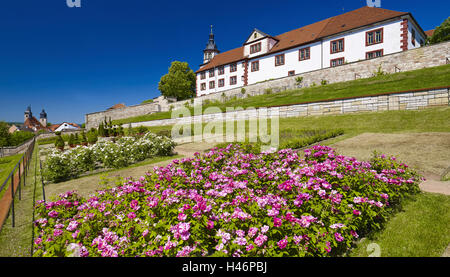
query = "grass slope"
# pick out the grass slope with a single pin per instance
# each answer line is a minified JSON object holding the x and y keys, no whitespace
{"x":420,"y":229}
{"x":411,"y":80}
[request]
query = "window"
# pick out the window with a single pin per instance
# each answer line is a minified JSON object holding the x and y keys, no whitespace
{"x":255,"y":48}
{"x":413,"y":37}
{"x":211,"y":73}
{"x":221,"y":83}
{"x":279,"y":60}
{"x":211,"y":84}
{"x":291,"y":73}
{"x":255,"y":66}
{"x":337,"y":46}
{"x":304,"y":54}
{"x":374,"y":37}
{"x":202,"y":75}
{"x":221,"y":70}
{"x":374,"y":54}
{"x":203,"y":86}
{"x":337,"y":62}
{"x":233,"y":80}
{"x":233,"y":67}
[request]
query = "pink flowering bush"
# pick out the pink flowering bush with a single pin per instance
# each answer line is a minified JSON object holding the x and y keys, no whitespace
{"x":229,"y":202}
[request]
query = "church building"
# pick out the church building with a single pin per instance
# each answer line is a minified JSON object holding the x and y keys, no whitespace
{"x":32,"y":124}
{"x":365,"y":33}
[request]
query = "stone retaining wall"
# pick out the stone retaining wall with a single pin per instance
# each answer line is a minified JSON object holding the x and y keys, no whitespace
{"x":423,"y":57}
{"x":412,"y":100}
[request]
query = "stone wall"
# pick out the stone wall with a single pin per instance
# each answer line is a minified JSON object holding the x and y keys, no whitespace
{"x":411,"y":100}
{"x":159,"y":104}
{"x":424,"y":57}
{"x":9,"y":151}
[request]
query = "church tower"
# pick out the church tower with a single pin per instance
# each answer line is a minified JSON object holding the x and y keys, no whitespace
{"x":211,"y":48}
{"x":43,"y":118}
{"x":27,"y":114}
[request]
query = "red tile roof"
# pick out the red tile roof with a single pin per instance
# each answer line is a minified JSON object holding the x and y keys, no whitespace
{"x":310,"y":33}
{"x":429,"y":33}
{"x":117,"y":106}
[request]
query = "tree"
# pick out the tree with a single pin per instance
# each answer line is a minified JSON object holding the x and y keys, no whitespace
{"x":5,"y":137}
{"x":59,"y":143}
{"x":442,"y":33}
{"x":179,"y":82}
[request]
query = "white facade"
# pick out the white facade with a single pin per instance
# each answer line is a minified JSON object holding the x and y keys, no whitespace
{"x":389,"y":39}
{"x":226,"y":77}
{"x":65,"y":126}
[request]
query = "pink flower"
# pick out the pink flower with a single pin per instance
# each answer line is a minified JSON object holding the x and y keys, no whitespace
{"x":264,"y":229}
{"x":131,"y":215}
{"x":210,"y":224}
{"x":328,"y":248}
{"x":356,"y":212}
{"x":282,"y":243}
{"x":260,"y":240}
{"x":240,"y":233}
{"x":72,"y":226}
{"x":338,"y":237}
{"x":182,"y":217}
{"x":353,"y":233}
{"x":249,"y":247}
{"x":53,"y":214}
{"x":252,"y":231}
{"x":134,"y":204}
{"x":240,"y":241}
{"x":277,"y":222}
{"x":57,"y":232}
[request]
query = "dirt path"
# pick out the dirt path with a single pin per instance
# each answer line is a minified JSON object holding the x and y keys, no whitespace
{"x":427,"y":152}
{"x":85,"y":186}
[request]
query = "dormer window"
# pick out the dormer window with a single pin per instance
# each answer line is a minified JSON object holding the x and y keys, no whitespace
{"x":255,"y":48}
{"x":255,"y":35}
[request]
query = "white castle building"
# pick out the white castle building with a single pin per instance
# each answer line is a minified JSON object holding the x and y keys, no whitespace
{"x":365,"y":33}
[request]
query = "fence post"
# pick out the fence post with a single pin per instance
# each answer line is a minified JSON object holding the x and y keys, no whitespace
{"x":12,"y":195}
{"x":42,"y":181}
{"x":20,"y":179}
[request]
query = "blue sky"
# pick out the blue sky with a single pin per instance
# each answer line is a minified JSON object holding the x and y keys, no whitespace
{"x":73,"y":61}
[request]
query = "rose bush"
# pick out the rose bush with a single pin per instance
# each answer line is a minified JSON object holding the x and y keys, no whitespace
{"x":60,"y":166}
{"x":228,"y":202}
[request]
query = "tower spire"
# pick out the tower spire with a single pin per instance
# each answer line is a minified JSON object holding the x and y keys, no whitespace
{"x":211,"y":48}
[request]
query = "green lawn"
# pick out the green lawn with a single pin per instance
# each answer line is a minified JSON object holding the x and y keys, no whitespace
{"x":7,"y":164}
{"x":423,"y":78}
{"x":419,"y":229}
{"x":16,"y":242}
{"x":426,"y":120}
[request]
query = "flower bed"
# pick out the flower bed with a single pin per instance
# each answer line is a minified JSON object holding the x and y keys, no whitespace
{"x":60,"y":166}
{"x":231,"y":203}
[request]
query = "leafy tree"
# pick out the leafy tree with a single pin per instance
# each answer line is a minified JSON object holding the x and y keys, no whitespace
{"x":92,"y":136}
{"x":101,"y":130}
{"x":442,"y":33}
{"x":59,"y":143}
{"x":4,"y":134}
{"x":83,"y":139}
{"x":19,"y":137}
{"x":71,"y":141}
{"x":179,"y":82}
